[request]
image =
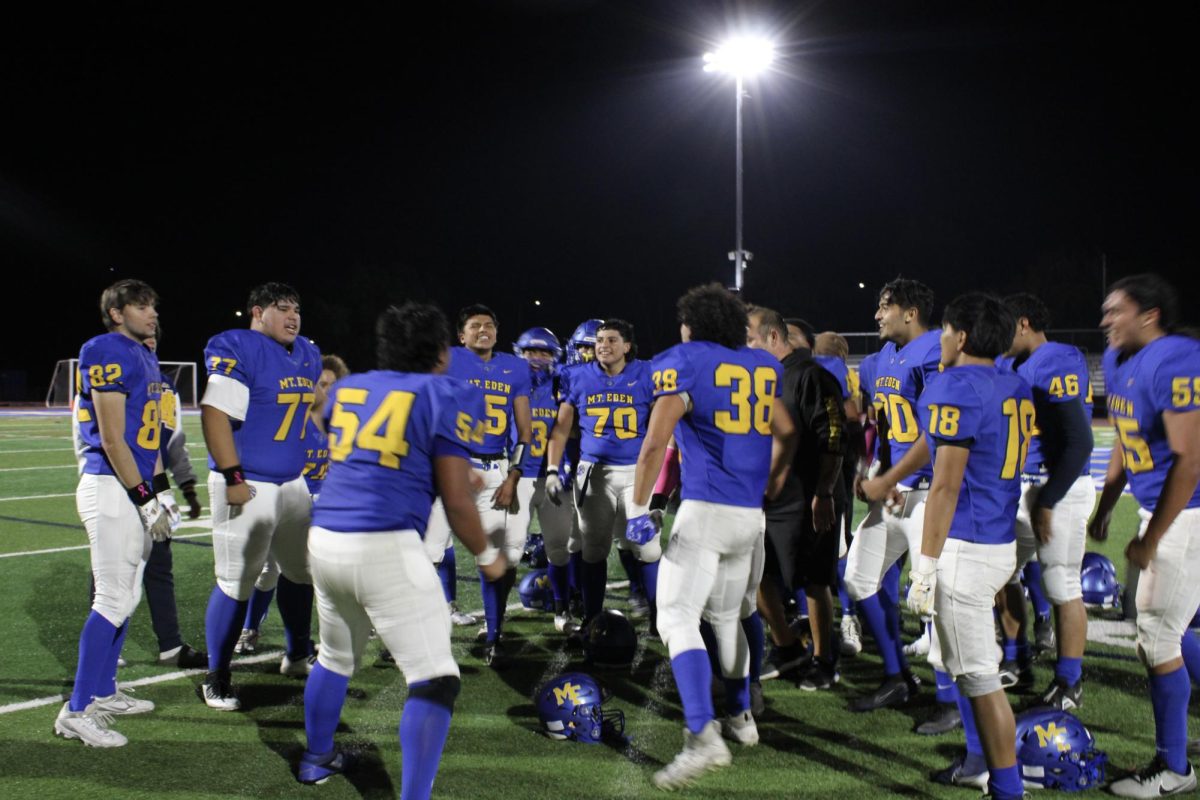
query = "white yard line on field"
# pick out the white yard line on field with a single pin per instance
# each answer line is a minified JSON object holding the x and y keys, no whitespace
{"x":38,"y":496}
{"x":204,"y":524}
{"x":27,"y":469}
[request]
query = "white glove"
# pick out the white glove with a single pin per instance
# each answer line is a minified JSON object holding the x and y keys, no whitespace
{"x":155,"y":520}
{"x":924,"y":581}
{"x":554,"y":486}
{"x":171,"y":508}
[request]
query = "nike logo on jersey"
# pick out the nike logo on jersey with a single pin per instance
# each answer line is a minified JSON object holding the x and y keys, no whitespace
{"x":632,"y":383}
{"x":507,"y":371}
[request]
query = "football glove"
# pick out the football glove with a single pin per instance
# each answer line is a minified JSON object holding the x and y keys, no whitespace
{"x":171,"y":509}
{"x":154,"y":518}
{"x":189,"y":494}
{"x":643,"y":528}
{"x":554,"y":486}
{"x":923,"y":578}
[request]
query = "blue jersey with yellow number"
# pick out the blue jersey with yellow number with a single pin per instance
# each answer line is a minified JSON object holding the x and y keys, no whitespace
{"x":613,"y":411}
{"x":316,"y":460}
{"x":724,"y":440}
{"x":543,"y":410}
{"x":113,"y":362}
{"x":900,"y":375}
{"x":385,"y":430}
{"x":1057,"y":373}
{"x":500,"y":380}
{"x":273,"y":440}
{"x":988,"y":410}
{"x":1162,"y":376}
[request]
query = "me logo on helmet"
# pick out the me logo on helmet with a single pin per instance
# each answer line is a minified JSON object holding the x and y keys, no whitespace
{"x":1053,"y":733}
{"x":569,"y":691}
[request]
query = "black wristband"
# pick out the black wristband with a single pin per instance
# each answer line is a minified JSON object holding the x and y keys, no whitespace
{"x":160,"y":483}
{"x":825,"y":495}
{"x":658,"y":502}
{"x":233,"y":475}
{"x":141,"y":494}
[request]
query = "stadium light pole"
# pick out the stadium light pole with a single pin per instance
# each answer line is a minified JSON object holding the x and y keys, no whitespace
{"x":743,"y":57}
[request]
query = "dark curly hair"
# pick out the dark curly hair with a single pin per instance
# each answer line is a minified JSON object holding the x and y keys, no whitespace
{"x":625,"y":330}
{"x":908,"y":293}
{"x":988,"y":323}
{"x":269,"y":294}
{"x":411,"y":337}
{"x":714,"y":314}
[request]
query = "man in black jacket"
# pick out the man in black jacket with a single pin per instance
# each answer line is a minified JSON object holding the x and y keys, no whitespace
{"x":802,"y":523}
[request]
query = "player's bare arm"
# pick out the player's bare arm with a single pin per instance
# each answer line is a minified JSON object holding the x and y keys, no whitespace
{"x":664,"y":416}
{"x":1183,"y":434}
{"x":560,"y":434}
{"x":882,"y":487}
{"x":218,"y":437}
{"x":452,"y":475}
{"x":1114,"y":484}
{"x":503,"y":498}
{"x":783,"y":448}
{"x":110,"y":419}
{"x":942,"y":500}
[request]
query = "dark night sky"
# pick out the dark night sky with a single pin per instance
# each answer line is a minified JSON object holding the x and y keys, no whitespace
{"x":574,"y":152}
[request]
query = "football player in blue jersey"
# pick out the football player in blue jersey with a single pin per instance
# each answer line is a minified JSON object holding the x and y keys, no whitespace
{"x":540,"y":347}
{"x":718,"y":398}
{"x":255,"y":417}
{"x":396,"y":435}
{"x":907,"y":363}
{"x":581,"y":347}
{"x":978,"y":420}
{"x":611,"y":399}
{"x":501,"y":381}
{"x":1152,"y":378}
{"x":118,"y":412}
{"x":1056,"y":500}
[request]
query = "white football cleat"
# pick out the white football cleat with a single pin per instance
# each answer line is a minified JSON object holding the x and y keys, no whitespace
{"x":701,"y":752}
{"x":460,"y":617}
{"x":300,"y":668}
{"x":247,"y":643}
{"x":1155,"y":780}
{"x":740,"y":728}
{"x":851,"y":636}
{"x":88,"y":726}
{"x":219,"y":694}
{"x":920,"y":647}
{"x":121,"y":704}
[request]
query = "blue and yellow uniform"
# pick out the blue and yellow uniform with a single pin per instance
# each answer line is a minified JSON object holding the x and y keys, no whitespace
{"x":613,"y":411}
{"x":1164,"y":376}
{"x":272,"y":432}
{"x":113,"y":362}
{"x":900,"y":375}
{"x":1058,"y":374}
{"x":316,"y":461}
{"x":500,"y":379}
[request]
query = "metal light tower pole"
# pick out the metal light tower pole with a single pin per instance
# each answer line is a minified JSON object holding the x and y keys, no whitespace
{"x":742,"y":57}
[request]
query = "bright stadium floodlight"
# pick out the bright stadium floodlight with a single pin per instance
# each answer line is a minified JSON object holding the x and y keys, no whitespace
{"x":742,"y":57}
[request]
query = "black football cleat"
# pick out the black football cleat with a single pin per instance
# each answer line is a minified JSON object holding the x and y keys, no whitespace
{"x":891,"y":693}
{"x":944,"y":720}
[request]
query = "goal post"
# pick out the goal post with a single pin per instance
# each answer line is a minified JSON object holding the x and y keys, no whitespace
{"x":184,"y":374}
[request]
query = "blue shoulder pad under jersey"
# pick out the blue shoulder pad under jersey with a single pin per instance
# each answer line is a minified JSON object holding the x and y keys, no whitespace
{"x":499,"y":380}
{"x":1057,"y":373}
{"x":900,"y":377}
{"x":272,"y":440}
{"x":838,"y":369}
{"x":113,"y":362}
{"x":725,"y":438}
{"x":385,"y":430}
{"x":316,"y":460}
{"x":613,"y":411}
{"x":990,"y":411}
{"x":1162,"y":376}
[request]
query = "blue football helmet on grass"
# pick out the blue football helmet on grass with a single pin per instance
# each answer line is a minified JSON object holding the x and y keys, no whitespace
{"x":1098,"y":579}
{"x":570,"y":707}
{"x":536,"y":592}
{"x":535,"y":552}
{"x":1055,"y":751}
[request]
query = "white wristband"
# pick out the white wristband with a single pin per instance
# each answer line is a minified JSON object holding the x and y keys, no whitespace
{"x":488,"y":556}
{"x":551,"y":468}
{"x":926,"y":565}
{"x":636,"y":511}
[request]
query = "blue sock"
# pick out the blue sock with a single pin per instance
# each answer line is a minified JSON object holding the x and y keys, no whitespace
{"x":1010,"y":648}
{"x":222,"y":626}
{"x":947,"y":689}
{"x":594,"y":578}
{"x":95,"y":642}
{"x":649,"y":570}
{"x":737,"y":695}
{"x":448,"y":574}
{"x":756,"y":639}
{"x":847,"y":604}
{"x":295,"y":608}
{"x":630,"y":564}
{"x":1004,"y":783}
{"x":891,"y":613}
{"x":559,"y":584}
{"x":710,"y":646}
{"x":575,"y":572}
{"x":424,"y":726}
{"x":1069,"y":669}
{"x":891,"y":582}
{"x":106,"y":681}
{"x":1169,"y":694}
{"x":693,"y":678}
{"x":1032,"y":578}
{"x":974,"y":746}
{"x":1191,"y":654}
{"x":324,"y":695}
{"x":257,"y":608}
{"x":801,"y":602}
{"x":871,"y":610}
{"x":493,"y":611}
